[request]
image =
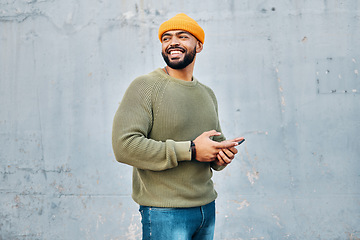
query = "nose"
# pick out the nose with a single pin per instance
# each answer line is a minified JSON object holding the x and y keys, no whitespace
{"x":174,"y":42}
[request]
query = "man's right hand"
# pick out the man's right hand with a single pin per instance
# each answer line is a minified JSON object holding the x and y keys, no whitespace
{"x":207,"y":149}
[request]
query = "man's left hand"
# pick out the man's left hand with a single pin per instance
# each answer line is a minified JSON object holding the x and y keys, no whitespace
{"x":225,"y":156}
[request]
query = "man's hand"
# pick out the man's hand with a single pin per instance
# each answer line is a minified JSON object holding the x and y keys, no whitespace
{"x":226,"y":155}
{"x":208,"y":150}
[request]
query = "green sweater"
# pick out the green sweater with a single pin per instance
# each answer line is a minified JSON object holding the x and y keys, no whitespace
{"x":157,"y":118}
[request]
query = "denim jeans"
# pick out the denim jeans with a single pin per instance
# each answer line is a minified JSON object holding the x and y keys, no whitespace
{"x":196,"y":223}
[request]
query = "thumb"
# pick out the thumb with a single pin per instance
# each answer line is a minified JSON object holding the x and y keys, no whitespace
{"x":212,"y":133}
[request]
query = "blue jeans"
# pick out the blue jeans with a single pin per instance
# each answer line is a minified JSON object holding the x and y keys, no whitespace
{"x":196,"y":223}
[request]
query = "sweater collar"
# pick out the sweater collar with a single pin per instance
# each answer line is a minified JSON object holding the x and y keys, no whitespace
{"x":176,"y":80}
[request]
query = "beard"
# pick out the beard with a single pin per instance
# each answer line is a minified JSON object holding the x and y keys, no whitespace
{"x":189,"y":58}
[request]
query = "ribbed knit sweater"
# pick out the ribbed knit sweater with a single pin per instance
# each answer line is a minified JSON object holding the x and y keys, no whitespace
{"x":157,"y":118}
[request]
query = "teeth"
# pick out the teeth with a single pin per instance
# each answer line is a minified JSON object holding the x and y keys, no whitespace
{"x":175,"y":52}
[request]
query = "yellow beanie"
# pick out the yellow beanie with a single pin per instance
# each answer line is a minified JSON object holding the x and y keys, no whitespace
{"x":182,"y":22}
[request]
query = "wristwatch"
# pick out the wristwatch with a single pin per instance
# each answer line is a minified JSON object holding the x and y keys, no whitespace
{"x":193,"y":150}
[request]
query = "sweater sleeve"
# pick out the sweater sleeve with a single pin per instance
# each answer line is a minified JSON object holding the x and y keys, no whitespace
{"x":131,"y":126}
{"x":218,"y":129}
{"x":218,"y":139}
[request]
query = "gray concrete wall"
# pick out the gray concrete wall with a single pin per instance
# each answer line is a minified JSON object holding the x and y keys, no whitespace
{"x":286,"y":74}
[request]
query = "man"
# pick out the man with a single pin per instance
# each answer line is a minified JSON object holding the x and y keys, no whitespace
{"x":158,"y":117}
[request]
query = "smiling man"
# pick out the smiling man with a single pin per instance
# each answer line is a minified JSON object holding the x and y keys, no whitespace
{"x":167,"y":128}
{"x":175,"y":56}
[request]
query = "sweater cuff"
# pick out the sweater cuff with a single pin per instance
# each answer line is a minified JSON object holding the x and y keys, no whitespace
{"x":183,"y":151}
{"x":216,"y":167}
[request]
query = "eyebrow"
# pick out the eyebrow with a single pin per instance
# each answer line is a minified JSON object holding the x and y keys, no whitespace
{"x":178,"y":33}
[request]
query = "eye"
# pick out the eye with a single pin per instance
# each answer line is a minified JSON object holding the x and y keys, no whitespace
{"x":165,"y":38}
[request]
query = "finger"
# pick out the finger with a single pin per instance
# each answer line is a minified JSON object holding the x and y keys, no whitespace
{"x":220,"y":161}
{"x":217,"y":162}
{"x":228,"y":153}
{"x":223,"y":163}
{"x":233,"y":150}
{"x":238,"y":139}
{"x":225,"y":158}
{"x":226,"y":144}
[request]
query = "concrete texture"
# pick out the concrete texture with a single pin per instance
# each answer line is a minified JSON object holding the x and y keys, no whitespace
{"x":286,"y":74}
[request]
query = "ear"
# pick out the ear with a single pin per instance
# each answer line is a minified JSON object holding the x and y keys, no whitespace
{"x":199,"y":47}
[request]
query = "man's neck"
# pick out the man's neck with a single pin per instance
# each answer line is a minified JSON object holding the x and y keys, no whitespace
{"x":185,"y":74}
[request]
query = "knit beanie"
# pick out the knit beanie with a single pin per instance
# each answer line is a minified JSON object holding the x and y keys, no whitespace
{"x":182,"y":21}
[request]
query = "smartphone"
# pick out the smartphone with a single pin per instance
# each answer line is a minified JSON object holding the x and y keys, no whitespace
{"x":240,"y":142}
